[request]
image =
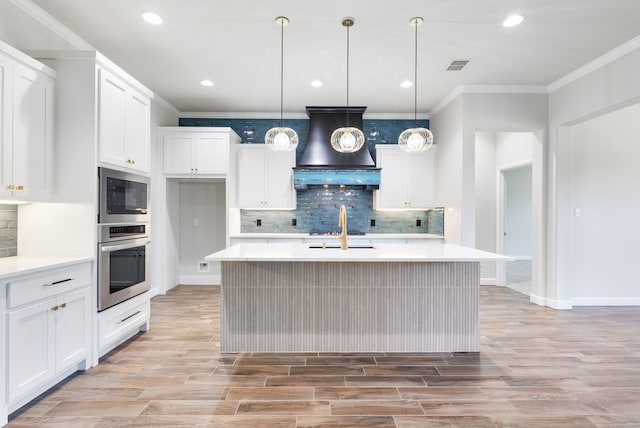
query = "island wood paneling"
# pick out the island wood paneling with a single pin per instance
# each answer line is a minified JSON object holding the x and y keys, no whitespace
{"x":350,"y":307}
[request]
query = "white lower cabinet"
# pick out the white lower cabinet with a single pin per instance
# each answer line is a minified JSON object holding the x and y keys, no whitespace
{"x":48,"y":322}
{"x":46,"y":338}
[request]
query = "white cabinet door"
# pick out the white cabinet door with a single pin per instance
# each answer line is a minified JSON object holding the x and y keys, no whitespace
{"x":137,"y":124}
{"x":211,"y":154}
{"x":123,"y":124}
{"x":279,"y":179}
{"x":407,"y":180}
{"x":421,"y":179}
{"x":71,"y":329}
{"x":27,"y":131}
{"x":251,"y":172}
{"x":265,"y":178}
{"x":178,"y":154}
{"x":31,"y":347}
{"x":111,"y":119}
{"x":32,"y":132}
{"x":393,"y":179}
{"x":6,"y":108}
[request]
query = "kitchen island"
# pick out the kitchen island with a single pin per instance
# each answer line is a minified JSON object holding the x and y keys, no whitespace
{"x":383,"y":298}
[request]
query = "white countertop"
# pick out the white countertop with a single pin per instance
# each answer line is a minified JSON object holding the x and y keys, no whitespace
{"x":433,"y":252}
{"x":20,"y":265}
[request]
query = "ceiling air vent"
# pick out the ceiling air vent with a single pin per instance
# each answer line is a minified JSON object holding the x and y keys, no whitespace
{"x":457,"y":65}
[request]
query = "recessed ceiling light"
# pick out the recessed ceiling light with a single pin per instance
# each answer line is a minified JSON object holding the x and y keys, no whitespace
{"x":152,"y":18}
{"x":316,"y":83}
{"x":406,"y":84}
{"x":206,"y":83}
{"x":513,"y":20}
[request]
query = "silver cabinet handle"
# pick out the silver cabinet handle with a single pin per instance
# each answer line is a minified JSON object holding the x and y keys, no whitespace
{"x":130,"y":316}
{"x":123,"y":247}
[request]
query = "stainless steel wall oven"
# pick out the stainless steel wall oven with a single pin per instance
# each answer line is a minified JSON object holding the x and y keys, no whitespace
{"x":123,"y":263}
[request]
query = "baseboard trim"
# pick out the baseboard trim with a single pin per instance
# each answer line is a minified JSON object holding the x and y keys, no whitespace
{"x":552,"y":303}
{"x":488,"y":281}
{"x":200,"y":279}
{"x":606,"y":301}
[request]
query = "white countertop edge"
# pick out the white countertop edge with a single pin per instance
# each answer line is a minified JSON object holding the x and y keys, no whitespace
{"x":275,"y":235}
{"x":22,"y":265}
{"x":283,"y":252}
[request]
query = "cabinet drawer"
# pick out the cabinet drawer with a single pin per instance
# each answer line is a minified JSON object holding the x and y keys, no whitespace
{"x":122,"y":319}
{"x":31,"y":288}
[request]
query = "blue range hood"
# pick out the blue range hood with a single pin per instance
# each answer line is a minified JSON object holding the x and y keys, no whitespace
{"x":320,"y":164}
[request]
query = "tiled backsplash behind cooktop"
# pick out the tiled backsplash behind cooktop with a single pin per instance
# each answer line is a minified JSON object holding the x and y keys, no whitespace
{"x":317,"y":211}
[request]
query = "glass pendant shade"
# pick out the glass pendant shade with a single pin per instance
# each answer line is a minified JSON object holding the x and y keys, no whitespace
{"x":347,"y":139}
{"x":281,"y":139}
{"x":415,"y":140}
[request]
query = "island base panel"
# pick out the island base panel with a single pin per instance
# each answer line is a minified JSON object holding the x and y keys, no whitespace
{"x":350,"y":307}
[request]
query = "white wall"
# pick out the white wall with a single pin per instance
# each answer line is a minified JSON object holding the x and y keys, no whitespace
{"x":605,"y":187}
{"x":162,"y":114}
{"x":486,"y":203}
{"x":495,"y":151}
{"x":447,"y":130}
{"x":608,"y":88}
{"x":202,"y":229}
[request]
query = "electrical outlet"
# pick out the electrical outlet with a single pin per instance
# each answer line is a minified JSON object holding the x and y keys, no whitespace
{"x":373,"y":222}
{"x":203,"y":266}
{"x":259,"y":222}
{"x":418,"y":223}
{"x":294,"y":222}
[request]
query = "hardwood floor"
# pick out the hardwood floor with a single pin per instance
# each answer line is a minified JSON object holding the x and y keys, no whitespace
{"x":538,"y":368}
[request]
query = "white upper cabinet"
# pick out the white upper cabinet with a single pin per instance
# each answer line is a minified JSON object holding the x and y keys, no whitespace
{"x":123,"y":123}
{"x":26,"y":128}
{"x":265,"y":178}
{"x":407,"y":180}
{"x":196,"y":153}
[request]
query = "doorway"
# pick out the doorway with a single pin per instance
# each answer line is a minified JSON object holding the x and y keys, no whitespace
{"x":515,"y":197}
{"x":506,"y":161}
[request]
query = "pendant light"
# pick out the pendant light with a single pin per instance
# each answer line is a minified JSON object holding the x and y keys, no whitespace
{"x":281,"y":139}
{"x":415,"y":139}
{"x":347,"y":139}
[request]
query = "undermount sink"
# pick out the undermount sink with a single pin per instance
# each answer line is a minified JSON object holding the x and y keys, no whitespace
{"x":333,"y":247}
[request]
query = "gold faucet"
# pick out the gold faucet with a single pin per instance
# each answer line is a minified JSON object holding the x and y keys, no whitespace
{"x":342,"y":221}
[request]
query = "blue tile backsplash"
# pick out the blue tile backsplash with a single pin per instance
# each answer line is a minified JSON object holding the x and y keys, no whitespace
{"x":317,"y":207}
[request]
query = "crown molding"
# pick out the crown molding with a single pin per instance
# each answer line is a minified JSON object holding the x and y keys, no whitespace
{"x":488,"y":89}
{"x":34,"y":11}
{"x":597,"y":63}
{"x":240,"y":115}
{"x":165,"y":104}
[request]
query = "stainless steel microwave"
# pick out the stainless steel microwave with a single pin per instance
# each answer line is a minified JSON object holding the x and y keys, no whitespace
{"x":123,"y":197}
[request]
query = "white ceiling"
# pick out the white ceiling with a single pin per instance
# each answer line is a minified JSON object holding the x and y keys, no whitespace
{"x":236,"y":44}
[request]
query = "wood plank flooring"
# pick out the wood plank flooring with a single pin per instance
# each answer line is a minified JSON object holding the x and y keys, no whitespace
{"x":537,"y":368}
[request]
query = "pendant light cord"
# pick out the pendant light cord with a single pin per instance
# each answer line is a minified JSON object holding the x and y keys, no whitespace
{"x":415,"y":78}
{"x":281,"y":70}
{"x":348,"y":26}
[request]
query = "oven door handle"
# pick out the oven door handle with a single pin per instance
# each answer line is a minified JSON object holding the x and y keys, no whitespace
{"x":109,"y":248}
